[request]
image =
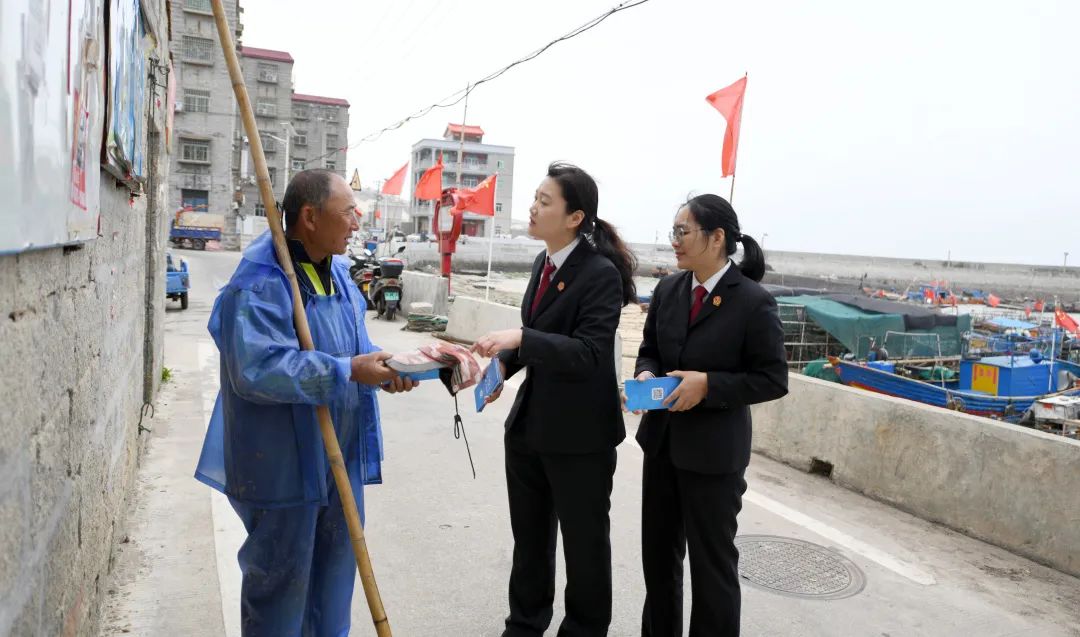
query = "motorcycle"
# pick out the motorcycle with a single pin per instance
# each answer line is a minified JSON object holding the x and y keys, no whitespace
{"x":362,"y":271}
{"x":384,"y":290}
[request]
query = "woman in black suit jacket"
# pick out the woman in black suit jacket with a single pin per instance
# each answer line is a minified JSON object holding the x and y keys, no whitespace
{"x":717,"y":329}
{"x":566,"y":421}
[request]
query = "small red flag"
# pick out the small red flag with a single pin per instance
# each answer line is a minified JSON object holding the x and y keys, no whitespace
{"x":1067,"y":322}
{"x":1039,"y":305}
{"x":729,"y":101}
{"x":430,"y":184}
{"x":993,"y":301}
{"x":394,"y":184}
{"x":480,"y":200}
{"x":378,"y":215}
{"x":1027,"y":310}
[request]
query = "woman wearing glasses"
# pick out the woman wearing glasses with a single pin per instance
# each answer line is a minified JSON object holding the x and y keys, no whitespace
{"x":713,"y":326}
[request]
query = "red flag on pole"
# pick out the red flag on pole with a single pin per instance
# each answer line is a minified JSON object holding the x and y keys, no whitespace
{"x":480,"y":200}
{"x":430,"y":184}
{"x":729,"y":101}
{"x":1039,"y":305}
{"x":993,"y":301}
{"x":1067,"y":322}
{"x":394,"y":184}
{"x":378,"y":215}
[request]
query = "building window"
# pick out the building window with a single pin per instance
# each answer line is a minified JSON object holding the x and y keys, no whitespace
{"x":298,"y":164}
{"x":331,"y":165}
{"x":199,"y":49}
{"x":300,"y":112}
{"x":198,"y":5}
{"x":195,"y":150}
{"x":300,"y":138}
{"x":331,"y":142}
{"x":498,"y":208}
{"x":268,"y":73}
{"x":470,"y":182}
{"x":194,"y":200}
{"x":267,"y":108}
{"x":499,"y":164}
{"x":196,"y":101}
{"x":331,"y":114}
{"x":273,"y":175}
{"x":260,"y":210}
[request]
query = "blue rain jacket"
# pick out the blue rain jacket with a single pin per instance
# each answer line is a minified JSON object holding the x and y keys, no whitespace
{"x":263,"y":446}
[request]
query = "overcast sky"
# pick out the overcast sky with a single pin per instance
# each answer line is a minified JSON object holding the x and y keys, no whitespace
{"x":907,"y":129}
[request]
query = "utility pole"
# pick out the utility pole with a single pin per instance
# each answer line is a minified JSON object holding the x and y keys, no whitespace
{"x":461,"y":145}
{"x":1065,"y":263}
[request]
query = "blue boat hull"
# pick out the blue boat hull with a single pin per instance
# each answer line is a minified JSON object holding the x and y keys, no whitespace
{"x":1008,"y":408}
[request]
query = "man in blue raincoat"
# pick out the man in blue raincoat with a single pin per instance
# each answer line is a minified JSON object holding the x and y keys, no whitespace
{"x":263,"y":447}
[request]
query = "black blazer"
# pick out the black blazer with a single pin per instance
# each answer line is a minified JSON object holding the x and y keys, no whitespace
{"x":569,"y":402}
{"x":737,"y":339}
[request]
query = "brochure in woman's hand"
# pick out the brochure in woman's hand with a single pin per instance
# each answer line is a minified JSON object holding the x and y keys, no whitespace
{"x":649,"y":395}
{"x":490,"y":382}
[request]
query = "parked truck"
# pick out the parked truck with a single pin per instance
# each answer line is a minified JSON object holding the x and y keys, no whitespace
{"x":194,"y":229}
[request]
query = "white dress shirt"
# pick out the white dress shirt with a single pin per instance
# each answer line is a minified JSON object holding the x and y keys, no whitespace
{"x":560,"y":257}
{"x":711,"y":283}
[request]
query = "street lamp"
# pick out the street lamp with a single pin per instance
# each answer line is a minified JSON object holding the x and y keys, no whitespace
{"x":1065,"y":263}
{"x":763,"y":238}
{"x":290,"y":132}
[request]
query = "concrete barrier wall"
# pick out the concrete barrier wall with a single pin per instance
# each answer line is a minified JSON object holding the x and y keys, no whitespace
{"x":424,"y":288}
{"x":1011,"y":486}
{"x":472,"y":318}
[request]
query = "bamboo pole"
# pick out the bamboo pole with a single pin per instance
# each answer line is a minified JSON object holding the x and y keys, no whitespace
{"x":303,"y":332}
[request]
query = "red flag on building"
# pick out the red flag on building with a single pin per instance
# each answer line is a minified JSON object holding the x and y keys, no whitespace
{"x":430,"y":184}
{"x":1039,"y":305}
{"x":729,"y":101}
{"x":993,"y":301}
{"x":394,"y":184}
{"x":1067,"y":322}
{"x":480,"y":200}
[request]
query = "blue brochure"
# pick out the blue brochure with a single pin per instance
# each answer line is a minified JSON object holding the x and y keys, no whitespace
{"x":649,"y":395}
{"x":429,"y":374}
{"x":491,"y":381}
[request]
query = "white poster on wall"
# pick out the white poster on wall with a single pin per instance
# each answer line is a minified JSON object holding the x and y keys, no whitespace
{"x":50,"y":121}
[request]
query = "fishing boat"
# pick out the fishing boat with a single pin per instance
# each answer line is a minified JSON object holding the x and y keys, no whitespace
{"x":1000,"y":387}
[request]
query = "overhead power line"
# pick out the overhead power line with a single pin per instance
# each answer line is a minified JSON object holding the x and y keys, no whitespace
{"x":456,"y":97}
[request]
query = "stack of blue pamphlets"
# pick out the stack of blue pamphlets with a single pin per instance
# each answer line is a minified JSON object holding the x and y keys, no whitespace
{"x":649,"y":395}
{"x":491,"y":381}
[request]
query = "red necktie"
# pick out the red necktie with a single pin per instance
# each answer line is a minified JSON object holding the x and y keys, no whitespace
{"x":699,"y":299}
{"x":545,"y":280}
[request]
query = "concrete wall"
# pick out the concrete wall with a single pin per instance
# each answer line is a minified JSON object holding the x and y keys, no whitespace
{"x":425,"y":288}
{"x":1011,"y":486}
{"x":472,"y":318}
{"x":814,"y":270}
{"x":80,"y":352}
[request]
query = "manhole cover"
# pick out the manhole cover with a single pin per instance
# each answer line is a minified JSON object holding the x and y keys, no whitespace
{"x":797,"y":568}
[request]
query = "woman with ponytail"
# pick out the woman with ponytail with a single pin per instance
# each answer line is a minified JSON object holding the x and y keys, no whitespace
{"x":566,"y":420}
{"x":714,"y":327}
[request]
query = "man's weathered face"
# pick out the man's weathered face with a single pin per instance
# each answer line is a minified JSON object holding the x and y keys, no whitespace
{"x":336,"y":222}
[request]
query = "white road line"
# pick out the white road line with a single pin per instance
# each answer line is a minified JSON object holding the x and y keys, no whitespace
{"x":872,"y":553}
{"x":229,"y":532}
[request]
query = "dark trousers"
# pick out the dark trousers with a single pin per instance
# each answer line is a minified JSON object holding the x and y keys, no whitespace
{"x":681,"y":508}
{"x":573,"y":492}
